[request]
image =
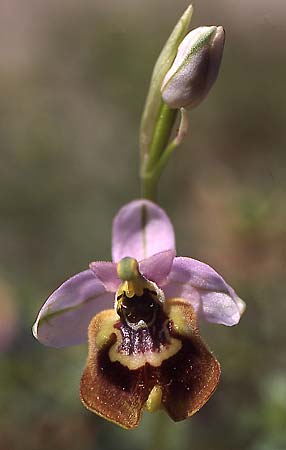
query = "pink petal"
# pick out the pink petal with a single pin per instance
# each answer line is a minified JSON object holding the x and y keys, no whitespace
{"x":107,"y":274}
{"x":211,"y":297}
{"x":141,"y":229}
{"x":157,"y":267}
{"x":65,"y":316}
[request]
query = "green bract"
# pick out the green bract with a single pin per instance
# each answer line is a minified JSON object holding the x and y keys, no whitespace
{"x":153,"y":105}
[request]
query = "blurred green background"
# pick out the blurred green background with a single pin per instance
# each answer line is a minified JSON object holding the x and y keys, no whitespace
{"x":73,"y":78}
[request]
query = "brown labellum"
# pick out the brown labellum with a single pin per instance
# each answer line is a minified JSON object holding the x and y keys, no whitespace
{"x":117,"y":381}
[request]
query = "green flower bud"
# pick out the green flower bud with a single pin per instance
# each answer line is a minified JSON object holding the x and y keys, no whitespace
{"x":195,"y":68}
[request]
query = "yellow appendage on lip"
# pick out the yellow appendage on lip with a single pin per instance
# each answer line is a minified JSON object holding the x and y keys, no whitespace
{"x":154,"y":401}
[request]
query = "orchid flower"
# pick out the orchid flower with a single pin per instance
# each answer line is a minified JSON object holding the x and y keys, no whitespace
{"x":139,"y":314}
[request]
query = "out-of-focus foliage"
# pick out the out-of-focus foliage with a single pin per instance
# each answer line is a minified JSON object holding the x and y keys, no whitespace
{"x":73,"y":76}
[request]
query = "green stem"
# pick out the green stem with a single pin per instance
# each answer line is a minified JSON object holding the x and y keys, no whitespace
{"x":150,"y":180}
{"x":163,"y":129}
{"x":164,"y":159}
{"x":149,"y":187}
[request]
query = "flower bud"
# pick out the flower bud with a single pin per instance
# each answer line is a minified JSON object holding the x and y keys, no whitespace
{"x":195,"y":68}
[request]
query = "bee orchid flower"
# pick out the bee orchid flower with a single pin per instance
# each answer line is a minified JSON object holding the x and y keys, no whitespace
{"x":139,"y":314}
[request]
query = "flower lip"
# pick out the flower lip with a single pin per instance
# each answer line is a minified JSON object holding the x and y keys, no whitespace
{"x":125,"y":365}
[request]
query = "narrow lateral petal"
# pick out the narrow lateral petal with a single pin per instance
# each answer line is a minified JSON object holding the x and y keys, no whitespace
{"x":106,"y":272}
{"x":141,"y":229}
{"x":211,"y":297}
{"x":65,"y":316}
{"x":157,"y":267}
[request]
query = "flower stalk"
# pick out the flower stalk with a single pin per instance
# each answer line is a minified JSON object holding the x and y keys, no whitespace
{"x":183,"y":75}
{"x":151,"y":176}
{"x":158,"y":118}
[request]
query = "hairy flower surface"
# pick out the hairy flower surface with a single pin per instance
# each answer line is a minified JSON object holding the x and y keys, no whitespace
{"x":139,"y":314}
